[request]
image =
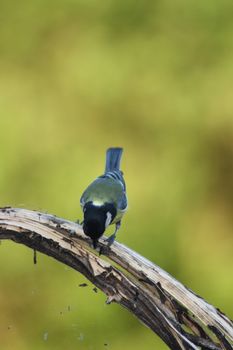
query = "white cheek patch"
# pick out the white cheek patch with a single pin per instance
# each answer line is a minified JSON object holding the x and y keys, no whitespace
{"x":108,"y":219}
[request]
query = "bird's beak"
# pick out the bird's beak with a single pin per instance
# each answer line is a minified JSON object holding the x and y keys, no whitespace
{"x":95,"y":243}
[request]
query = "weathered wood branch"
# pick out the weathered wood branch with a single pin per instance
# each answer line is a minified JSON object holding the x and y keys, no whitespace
{"x":180,"y":317}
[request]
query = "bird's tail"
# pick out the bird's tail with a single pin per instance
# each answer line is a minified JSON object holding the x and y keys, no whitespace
{"x":113,"y":158}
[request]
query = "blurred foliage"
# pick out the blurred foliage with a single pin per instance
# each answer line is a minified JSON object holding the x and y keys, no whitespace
{"x":77,"y":77}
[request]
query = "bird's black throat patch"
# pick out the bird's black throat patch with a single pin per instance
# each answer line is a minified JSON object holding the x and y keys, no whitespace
{"x":95,"y":219}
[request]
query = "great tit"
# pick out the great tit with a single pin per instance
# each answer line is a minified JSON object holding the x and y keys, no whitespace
{"x":104,"y":201}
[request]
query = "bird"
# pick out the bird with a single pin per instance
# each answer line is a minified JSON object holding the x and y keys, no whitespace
{"x":104,"y":201}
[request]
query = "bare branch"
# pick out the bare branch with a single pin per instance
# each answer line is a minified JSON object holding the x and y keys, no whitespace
{"x":180,"y":317}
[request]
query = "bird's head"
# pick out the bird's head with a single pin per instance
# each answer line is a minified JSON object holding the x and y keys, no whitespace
{"x":96,"y":219}
{"x":94,"y":228}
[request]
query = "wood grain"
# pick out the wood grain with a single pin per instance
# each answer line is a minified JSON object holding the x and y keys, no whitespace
{"x":177,"y":315}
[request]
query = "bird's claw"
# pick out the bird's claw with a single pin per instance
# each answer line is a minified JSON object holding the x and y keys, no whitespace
{"x":110,"y":240}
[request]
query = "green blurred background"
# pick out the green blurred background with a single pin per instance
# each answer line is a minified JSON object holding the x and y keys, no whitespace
{"x":77,"y":77}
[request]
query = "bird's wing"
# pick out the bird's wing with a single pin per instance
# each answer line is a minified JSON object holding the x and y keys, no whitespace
{"x":109,"y":187}
{"x":123,"y":203}
{"x":117,"y":177}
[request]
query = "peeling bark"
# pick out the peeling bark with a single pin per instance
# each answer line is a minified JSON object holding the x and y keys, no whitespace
{"x":182,"y":319}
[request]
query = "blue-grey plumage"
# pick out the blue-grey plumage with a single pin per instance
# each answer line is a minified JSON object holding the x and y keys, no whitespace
{"x":113,"y":159}
{"x":104,"y":201}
